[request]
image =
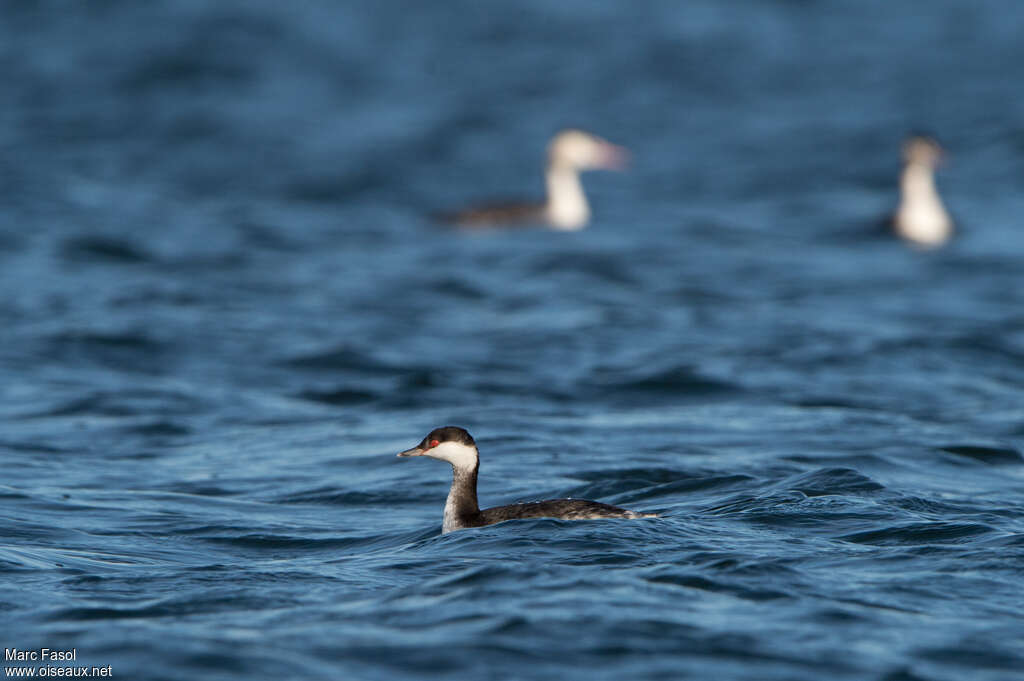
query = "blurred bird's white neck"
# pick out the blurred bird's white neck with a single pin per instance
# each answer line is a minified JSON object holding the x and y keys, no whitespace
{"x":567,"y":206}
{"x":921,"y":216}
{"x":918,"y":183}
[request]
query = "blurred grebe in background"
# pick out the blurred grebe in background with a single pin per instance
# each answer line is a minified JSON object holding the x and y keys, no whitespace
{"x":921,"y":218}
{"x":456,"y":446}
{"x":566,"y":207}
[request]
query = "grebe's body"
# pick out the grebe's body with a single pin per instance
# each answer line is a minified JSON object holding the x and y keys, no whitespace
{"x":921,"y":218}
{"x":461,"y":510}
{"x":566,"y":207}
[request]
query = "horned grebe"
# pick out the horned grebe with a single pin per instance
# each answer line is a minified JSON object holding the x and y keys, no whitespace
{"x":921,"y":218}
{"x":456,"y":446}
{"x":566,"y":207}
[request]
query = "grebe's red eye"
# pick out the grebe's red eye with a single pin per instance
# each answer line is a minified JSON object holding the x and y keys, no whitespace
{"x":434,"y":443}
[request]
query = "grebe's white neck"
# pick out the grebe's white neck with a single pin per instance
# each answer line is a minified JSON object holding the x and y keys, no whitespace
{"x":567,"y":206}
{"x":461,"y":503}
{"x":921,"y":217}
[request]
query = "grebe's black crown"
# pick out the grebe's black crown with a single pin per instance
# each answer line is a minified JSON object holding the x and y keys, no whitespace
{"x":450,"y":434}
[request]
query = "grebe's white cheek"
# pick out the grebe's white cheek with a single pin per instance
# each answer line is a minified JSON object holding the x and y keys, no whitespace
{"x":455,"y":453}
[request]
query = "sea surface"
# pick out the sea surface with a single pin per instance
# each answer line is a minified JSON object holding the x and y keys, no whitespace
{"x":226,"y":306}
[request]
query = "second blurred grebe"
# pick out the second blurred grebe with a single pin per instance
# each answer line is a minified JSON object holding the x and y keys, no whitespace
{"x":566,"y":207}
{"x":921,"y":217}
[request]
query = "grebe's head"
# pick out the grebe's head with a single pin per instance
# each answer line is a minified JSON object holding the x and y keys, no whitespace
{"x":583,"y":151}
{"x":922,"y":150}
{"x":451,"y":444}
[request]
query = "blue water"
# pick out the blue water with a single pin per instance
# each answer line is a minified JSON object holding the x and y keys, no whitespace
{"x":226,"y":308}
